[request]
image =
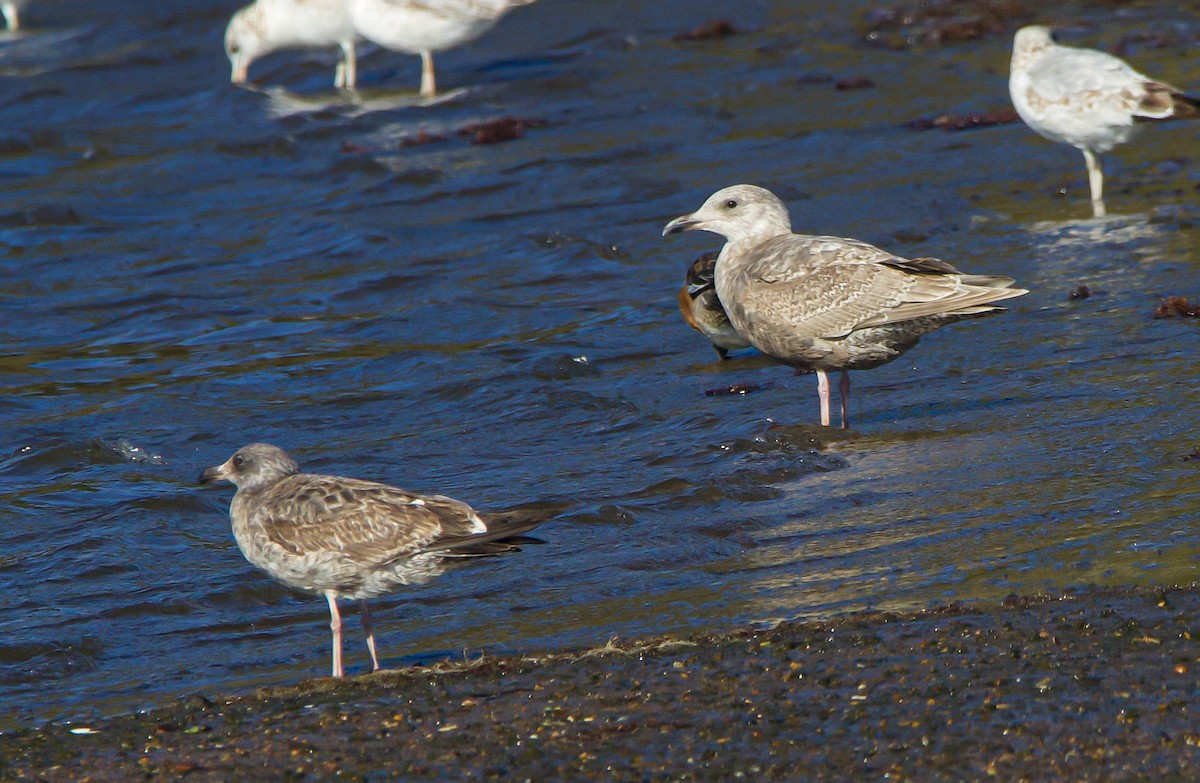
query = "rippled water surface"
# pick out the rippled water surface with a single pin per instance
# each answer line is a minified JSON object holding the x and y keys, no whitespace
{"x":190,"y":266}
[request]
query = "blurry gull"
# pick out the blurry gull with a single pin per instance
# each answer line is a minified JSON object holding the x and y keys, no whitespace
{"x":267,"y":25}
{"x":826,"y":303}
{"x":1085,"y":98}
{"x":12,"y":13}
{"x":700,"y":307}
{"x":426,"y":26}
{"x":347,"y":538}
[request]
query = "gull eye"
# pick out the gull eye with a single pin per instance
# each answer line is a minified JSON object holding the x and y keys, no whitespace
{"x":731,"y":203}
{"x":238,"y":461}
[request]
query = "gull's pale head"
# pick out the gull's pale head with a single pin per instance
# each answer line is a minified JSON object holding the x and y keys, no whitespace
{"x":252,"y":467}
{"x":737,"y":213}
{"x":244,"y":42}
{"x":1032,"y":39}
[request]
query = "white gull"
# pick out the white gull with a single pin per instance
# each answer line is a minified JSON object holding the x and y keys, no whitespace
{"x":268,"y":25}
{"x":426,"y":26}
{"x":1085,"y":98}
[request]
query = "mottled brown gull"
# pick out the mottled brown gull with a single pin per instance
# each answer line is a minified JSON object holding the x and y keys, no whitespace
{"x":702,"y":309}
{"x":826,"y":303}
{"x":265,"y":26}
{"x":1088,"y":99}
{"x":426,"y":26}
{"x":348,"y":538}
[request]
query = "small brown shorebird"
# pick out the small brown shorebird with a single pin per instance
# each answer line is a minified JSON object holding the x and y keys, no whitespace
{"x":701,"y":308}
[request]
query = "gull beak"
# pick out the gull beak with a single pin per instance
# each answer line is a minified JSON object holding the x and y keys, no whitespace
{"x":240,"y":69}
{"x":217,"y":473}
{"x":682,"y":223}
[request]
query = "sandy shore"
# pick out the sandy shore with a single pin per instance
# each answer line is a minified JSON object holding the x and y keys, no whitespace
{"x":1099,"y":685}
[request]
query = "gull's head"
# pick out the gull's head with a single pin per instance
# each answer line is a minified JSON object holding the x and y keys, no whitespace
{"x":244,"y":42}
{"x":1032,"y":40}
{"x":737,"y":213}
{"x":252,"y":467}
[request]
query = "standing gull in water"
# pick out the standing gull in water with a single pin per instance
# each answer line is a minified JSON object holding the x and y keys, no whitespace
{"x":700,"y":307}
{"x":12,"y":13}
{"x":348,"y":538}
{"x":825,"y":303}
{"x":1085,"y":98}
{"x":267,"y":25}
{"x":426,"y":26}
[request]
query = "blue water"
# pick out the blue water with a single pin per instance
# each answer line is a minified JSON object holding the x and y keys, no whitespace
{"x":190,"y":266}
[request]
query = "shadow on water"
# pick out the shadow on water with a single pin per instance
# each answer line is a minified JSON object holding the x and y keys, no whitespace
{"x":192,"y":266}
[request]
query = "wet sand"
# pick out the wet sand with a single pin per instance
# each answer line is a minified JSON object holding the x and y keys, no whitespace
{"x":1096,"y":685}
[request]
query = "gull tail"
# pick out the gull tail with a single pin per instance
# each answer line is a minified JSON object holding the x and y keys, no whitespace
{"x":1186,"y":107}
{"x":1164,"y":102}
{"x":504,"y":533}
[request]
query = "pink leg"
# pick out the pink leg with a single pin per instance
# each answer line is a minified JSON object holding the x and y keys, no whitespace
{"x":823,"y":393}
{"x":335,"y":625}
{"x":844,"y":388}
{"x":369,"y":631}
{"x":428,"y":82}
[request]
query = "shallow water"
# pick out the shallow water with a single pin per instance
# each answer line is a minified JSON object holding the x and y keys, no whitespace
{"x":191,"y":266}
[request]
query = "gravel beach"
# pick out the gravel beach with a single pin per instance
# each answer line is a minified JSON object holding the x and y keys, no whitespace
{"x":1093,"y":685}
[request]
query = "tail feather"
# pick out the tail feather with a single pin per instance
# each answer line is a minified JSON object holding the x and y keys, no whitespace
{"x":1186,"y":107}
{"x":990,"y":281}
{"x":504,"y":533}
{"x":1161,"y":101}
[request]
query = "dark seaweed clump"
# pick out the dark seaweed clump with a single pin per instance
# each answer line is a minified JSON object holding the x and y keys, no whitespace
{"x":957,"y":122}
{"x":941,"y":22}
{"x":498,"y":130}
{"x":717,"y":28}
{"x":1176,"y":306}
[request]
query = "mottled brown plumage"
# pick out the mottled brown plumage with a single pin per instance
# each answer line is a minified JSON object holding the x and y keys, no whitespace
{"x":827,"y":303}
{"x":349,"y":538}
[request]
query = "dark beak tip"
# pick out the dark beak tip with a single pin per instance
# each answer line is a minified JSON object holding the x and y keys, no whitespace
{"x":209,"y":476}
{"x":679,"y":224}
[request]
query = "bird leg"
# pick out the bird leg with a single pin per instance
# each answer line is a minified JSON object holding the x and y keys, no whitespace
{"x":11,"y":16}
{"x":346,"y":75}
{"x":369,"y":631}
{"x":428,"y":84}
{"x":844,"y":388}
{"x":335,"y":625}
{"x":823,"y":393}
{"x":1095,"y":182}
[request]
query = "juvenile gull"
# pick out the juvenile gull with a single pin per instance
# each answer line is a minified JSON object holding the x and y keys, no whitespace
{"x":348,"y":538}
{"x":825,"y":303}
{"x":1085,"y":98}
{"x":700,"y":307}
{"x":267,"y":25}
{"x":426,"y":26}
{"x":12,"y":13}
